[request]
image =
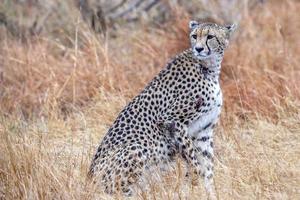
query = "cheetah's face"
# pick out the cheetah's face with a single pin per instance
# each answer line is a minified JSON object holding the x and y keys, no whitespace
{"x":208,"y":39}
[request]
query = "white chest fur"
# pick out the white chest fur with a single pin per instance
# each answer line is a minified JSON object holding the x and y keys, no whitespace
{"x":209,"y":118}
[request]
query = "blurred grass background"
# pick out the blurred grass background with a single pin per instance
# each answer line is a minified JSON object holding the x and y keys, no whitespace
{"x":68,"y":67}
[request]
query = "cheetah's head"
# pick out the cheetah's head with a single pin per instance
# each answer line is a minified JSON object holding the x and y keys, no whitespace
{"x":208,"y":39}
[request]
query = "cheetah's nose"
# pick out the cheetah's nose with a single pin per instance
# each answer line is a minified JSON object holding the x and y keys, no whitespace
{"x":199,"y":49}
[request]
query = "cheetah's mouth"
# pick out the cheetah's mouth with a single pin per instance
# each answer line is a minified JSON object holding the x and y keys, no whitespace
{"x":202,"y":55}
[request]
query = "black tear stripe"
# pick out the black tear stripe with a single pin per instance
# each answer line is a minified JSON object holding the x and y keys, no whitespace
{"x":218,"y":41}
{"x":207,"y":42}
{"x":207,"y":45}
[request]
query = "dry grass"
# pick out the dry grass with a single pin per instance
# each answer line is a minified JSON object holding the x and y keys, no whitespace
{"x":58,"y":97}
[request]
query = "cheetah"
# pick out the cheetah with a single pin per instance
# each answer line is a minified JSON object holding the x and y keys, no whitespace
{"x":186,"y":93}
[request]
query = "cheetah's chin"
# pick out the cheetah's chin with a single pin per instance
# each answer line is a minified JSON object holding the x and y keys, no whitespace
{"x":202,"y":57}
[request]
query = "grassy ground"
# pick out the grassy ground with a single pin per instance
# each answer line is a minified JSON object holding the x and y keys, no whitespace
{"x":58,"y":96}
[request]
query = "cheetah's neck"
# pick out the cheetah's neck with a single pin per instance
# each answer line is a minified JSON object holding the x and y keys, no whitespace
{"x":211,"y":67}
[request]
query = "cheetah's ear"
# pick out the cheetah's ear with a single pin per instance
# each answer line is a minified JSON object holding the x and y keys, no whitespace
{"x":230,"y":29}
{"x":193,"y":24}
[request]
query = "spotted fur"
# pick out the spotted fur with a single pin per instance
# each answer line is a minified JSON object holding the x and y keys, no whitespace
{"x":187,"y":94}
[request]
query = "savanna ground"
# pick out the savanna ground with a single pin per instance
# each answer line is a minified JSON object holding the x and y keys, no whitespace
{"x":61,"y":89}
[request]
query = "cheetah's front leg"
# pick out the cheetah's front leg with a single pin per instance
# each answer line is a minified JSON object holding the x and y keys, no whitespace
{"x":203,"y":144}
{"x":198,"y":155}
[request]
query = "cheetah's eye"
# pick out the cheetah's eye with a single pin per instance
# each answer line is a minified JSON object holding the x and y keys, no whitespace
{"x":194,"y":36}
{"x":210,"y":37}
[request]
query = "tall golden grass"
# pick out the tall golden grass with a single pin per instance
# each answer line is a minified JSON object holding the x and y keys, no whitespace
{"x":57,"y":99}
